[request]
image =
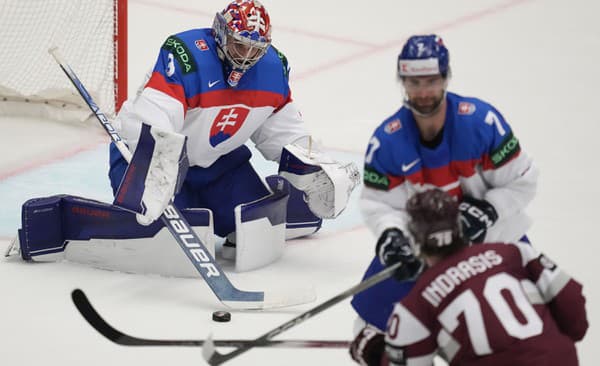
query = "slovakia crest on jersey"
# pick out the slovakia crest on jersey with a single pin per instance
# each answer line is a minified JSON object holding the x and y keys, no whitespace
{"x":201,"y":45}
{"x":234,"y":77}
{"x":226,"y":124}
{"x":393,"y":126}
{"x":466,"y":108}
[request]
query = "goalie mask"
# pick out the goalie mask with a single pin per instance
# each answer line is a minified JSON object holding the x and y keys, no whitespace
{"x":243,"y":35}
{"x":434,"y":222}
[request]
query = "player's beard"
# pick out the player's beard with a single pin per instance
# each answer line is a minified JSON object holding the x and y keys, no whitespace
{"x":426,"y":105}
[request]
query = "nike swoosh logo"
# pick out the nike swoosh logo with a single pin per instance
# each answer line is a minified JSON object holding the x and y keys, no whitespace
{"x":213,"y":83}
{"x":407,"y":167}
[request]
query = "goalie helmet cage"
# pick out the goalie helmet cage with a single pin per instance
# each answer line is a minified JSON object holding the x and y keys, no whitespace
{"x":92,"y":34}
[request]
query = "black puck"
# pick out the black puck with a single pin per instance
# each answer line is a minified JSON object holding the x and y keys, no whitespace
{"x":221,"y":316}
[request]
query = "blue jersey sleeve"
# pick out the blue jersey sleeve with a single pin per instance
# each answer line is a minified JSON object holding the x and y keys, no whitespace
{"x":384,"y":154}
{"x":175,"y":62}
{"x":487,"y":134}
{"x":504,"y":144}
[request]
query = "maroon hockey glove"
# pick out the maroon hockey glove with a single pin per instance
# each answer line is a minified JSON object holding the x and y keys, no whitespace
{"x":368,"y":347}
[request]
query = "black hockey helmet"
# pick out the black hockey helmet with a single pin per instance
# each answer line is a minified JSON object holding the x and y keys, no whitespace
{"x":434,"y":223}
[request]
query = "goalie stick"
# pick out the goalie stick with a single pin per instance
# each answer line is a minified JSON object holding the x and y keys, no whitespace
{"x":82,"y":303}
{"x":185,"y":236}
{"x":213,"y":357}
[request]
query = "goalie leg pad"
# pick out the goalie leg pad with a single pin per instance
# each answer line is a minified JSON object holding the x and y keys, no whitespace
{"x":49,"y":224}
{"x":260,"y":227}
{"x":41,"y":234}
{"x":158,"y":254}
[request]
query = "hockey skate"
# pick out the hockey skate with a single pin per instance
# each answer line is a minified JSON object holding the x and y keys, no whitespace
{"x":228,"y":250}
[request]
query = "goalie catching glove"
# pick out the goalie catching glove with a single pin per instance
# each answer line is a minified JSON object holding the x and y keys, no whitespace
{"x":154,"y":175}
{"x":327,"y":183}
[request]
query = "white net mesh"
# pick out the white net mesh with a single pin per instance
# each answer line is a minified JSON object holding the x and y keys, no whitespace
{"x":31,"y":83}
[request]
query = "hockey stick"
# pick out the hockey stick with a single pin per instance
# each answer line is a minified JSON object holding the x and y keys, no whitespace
{"x":82,"y":303}
{"x":213,"y":357}
{"x":183,"y":233}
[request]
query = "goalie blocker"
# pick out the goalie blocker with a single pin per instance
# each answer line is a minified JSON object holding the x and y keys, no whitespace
{"x":154,"y":175}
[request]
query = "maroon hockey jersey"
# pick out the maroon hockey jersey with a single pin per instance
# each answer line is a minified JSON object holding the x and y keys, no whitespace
{"x":490,"y":304}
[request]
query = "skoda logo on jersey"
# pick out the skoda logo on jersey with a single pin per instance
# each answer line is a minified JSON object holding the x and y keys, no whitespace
{"x":226,"y":124}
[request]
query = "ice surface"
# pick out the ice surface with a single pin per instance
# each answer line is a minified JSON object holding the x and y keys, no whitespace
{"x":536,"y":61}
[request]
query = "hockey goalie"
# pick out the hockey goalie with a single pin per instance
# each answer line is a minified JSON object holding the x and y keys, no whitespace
{"x":210,"y":92}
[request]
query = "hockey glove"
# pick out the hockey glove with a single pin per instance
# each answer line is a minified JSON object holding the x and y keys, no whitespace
{"x":393,"y":247}
{"x":327,"y":183}
{"x":476,"y":216}
{"x":368,"y":347}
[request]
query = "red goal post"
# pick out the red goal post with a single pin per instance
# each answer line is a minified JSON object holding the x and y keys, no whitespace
{"x":91,"y":34}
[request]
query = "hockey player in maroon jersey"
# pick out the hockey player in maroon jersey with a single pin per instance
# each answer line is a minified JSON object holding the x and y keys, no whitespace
{"x":490,"y":304}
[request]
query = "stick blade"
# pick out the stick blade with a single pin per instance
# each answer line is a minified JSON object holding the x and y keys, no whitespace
{"x":209,"y":352}
{"x":208,"y":348}
{"x":278,"y":298}
{"x":90,"y":314}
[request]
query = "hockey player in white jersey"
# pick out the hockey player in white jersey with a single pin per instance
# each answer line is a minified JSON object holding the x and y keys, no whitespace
{"x":210,"y":92}
{"x":460,"y":144}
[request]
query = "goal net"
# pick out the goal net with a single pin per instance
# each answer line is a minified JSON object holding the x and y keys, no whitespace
{"x":91,"y":35}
